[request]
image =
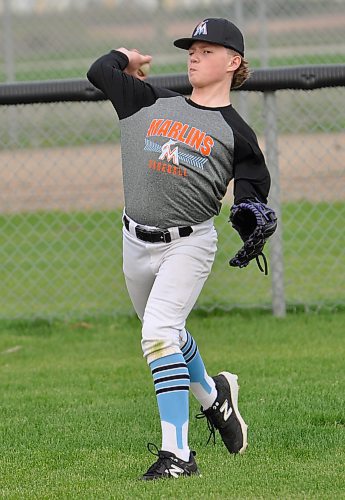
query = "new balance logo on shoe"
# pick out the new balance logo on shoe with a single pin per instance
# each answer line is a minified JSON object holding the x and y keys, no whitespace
{"x":226,"y":410}
{"x":169,"y":465}
{"x":225,"y":416}
{"x":174,"y":471}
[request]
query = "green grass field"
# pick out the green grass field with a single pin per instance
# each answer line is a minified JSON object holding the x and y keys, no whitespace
{"x":78,"y":408}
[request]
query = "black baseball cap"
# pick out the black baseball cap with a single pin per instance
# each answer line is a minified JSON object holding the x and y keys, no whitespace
{"x":215,"y":30}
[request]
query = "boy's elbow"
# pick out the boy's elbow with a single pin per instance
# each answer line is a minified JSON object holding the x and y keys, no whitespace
{"x":96,"y":71}
{"x":91,"y":75}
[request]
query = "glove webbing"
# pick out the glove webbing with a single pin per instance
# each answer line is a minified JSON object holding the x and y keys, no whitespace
{"x":241,"y":258}
{"x":260,"y":215}
{"x":237,"y":261}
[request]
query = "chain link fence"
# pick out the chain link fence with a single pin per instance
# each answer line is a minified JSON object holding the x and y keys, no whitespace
{"x":46,"y":39}
{"x":61,"y":200}
{"x":60,"y":172}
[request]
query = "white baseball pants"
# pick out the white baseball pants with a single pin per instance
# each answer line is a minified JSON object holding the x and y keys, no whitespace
{"x":164,"y":281}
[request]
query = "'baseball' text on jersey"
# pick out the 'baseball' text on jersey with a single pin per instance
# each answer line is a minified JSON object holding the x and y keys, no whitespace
{"x":182,"y":132}
{"x":166,"y":168}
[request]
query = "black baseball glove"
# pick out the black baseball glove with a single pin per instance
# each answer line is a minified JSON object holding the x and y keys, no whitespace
{"x":255,"y":222}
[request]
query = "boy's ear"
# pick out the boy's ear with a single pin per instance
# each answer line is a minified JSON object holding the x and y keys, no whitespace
{"x":234,"y":63}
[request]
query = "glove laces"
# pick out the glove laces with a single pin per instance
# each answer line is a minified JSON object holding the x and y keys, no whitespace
{"x":264,"y":268}
{"x":238,"y":261}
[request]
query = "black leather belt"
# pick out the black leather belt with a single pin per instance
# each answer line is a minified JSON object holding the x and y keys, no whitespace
{"x":156,"y":235}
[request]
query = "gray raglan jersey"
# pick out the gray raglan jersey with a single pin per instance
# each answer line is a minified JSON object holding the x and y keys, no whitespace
{"x":177,"y":157}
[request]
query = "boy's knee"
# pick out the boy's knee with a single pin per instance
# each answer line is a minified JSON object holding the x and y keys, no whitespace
{"x":158,"y":342}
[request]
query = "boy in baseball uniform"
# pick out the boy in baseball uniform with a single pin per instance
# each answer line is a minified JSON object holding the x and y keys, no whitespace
{"x":178,"y":156}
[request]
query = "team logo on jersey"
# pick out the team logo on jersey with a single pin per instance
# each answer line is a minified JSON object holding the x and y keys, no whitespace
{"x":169,"y":154}
{"x":172,"y":158}
{"x":201,"y":29}
{"x":179,"y":133}
{"x":175,"y":155}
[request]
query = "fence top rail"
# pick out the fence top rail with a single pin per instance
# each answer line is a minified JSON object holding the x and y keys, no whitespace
{"x":262,"y":80}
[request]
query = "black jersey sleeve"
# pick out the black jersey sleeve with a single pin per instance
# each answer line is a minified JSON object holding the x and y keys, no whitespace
{"x":250,"y":173}
{"x":126,"y":93}
{"x":251,"y":176}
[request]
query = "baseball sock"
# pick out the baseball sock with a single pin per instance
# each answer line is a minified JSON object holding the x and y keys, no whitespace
{"x":201,"y":384}
{"x":171,"y":379}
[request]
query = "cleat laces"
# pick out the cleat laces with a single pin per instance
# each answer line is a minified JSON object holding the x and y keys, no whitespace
{"x":210,"y":427}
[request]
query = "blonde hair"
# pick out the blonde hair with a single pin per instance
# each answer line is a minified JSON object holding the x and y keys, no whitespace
{"x":242,"y":73}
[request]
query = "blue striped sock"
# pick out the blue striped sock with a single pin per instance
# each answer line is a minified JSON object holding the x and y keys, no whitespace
{"x":201,"y":384}
{"x":171,"y":379}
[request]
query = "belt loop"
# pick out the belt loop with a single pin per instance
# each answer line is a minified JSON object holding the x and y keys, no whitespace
{"x":126,"y":222}
{"x":174,"y":233}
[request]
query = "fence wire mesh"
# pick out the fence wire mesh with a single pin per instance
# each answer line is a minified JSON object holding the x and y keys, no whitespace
{"x":61,"y":201}
{"x":60,"y":172}
{"x":45,"y":39}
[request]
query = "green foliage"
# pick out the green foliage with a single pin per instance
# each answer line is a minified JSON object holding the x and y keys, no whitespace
{"x":78,"y":407}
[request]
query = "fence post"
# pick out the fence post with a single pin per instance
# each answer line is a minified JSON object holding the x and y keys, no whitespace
{"x":10,"y":73}
{"x":263,"y":33}
{"x":276,"y":242}
{"x":242,"y":96}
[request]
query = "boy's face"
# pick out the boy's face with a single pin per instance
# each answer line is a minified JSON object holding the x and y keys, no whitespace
{"x":210,"y":63}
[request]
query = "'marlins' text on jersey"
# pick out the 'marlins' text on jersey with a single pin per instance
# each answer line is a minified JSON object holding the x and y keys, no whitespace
{"x":182,"y":132}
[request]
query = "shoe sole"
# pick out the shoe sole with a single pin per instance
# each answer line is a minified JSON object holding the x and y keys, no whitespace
{"x":234,"y":388}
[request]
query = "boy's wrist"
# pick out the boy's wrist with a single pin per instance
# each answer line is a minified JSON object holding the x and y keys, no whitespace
{"x":124,"y":51}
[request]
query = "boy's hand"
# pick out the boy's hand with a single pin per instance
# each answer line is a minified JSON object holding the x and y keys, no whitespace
{"x":136,"y":60}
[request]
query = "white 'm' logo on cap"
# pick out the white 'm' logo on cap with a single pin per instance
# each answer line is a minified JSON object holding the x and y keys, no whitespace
{"x":201,"y":29}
